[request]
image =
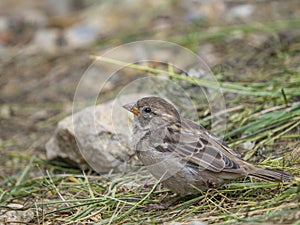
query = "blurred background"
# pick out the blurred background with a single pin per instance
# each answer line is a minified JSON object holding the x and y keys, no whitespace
{"x":45,"y":48}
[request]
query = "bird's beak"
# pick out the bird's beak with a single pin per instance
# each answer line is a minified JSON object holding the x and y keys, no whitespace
{"x":131,"y":107}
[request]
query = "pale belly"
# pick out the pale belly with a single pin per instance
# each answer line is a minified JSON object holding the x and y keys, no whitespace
{"x":173,"y":173}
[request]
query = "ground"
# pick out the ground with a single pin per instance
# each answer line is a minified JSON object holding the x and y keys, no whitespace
{"x":258,"y":68}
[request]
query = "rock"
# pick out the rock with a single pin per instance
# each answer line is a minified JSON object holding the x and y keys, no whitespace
{"x":96,"y":137}
{"x":240,"y":12}
{"x":46,"y":39}
{"x":5,"y":112}
{"x":16,"y":215}
{"x":82,"y":34}
{"x":210,"y":11}
{"x":39,"y":115}
{"x":196,"y":222}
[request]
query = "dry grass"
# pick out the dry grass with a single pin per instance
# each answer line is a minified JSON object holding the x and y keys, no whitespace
{"x":269,"y":119}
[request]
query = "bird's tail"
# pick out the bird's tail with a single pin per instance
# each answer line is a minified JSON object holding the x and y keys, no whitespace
{"x":270,"y":174}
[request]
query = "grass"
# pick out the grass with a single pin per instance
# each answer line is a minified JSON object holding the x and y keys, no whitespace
{"x":80,"y":198}
{"x":263,"y":125}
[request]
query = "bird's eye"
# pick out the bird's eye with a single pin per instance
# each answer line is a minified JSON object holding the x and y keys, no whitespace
{"x":147,"y":110}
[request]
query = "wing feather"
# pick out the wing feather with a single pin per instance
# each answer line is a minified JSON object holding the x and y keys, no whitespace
{"x":199,"y":149}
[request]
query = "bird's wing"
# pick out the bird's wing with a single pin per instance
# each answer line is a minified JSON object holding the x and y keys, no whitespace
{"x":199,"y":148}
{"x":206,"y":135}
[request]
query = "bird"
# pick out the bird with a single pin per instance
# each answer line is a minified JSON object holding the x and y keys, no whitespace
{"x":182,"y":154}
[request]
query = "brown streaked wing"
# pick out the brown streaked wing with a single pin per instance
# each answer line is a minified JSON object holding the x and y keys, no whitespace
{"x":199,"y":149}
{"x":206,"y":135}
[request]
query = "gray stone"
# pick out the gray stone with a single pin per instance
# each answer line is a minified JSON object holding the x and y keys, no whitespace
{"x":82,"y":34}
{"x":16,"y":215}
{"x":241,"y":11}
{"x":196,"y":222}
{"x":46,"y":39}
{"x":5,"y":112}
{"x":96,"y":137}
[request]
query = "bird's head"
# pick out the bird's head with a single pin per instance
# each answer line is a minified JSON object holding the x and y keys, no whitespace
{"x":153,"y":110}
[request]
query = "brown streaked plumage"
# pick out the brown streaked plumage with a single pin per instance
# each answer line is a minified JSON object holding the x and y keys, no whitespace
{"x":185,"y":155}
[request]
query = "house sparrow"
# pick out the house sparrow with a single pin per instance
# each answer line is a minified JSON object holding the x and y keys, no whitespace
{"x":184,"y":155}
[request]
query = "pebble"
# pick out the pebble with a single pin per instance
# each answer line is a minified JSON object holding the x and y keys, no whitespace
{"x":241,"y":11}
{"x":5,"y":112}
{"x":81,"y":35}
{"x":15,"y":212}
{"x":47,"y":39}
